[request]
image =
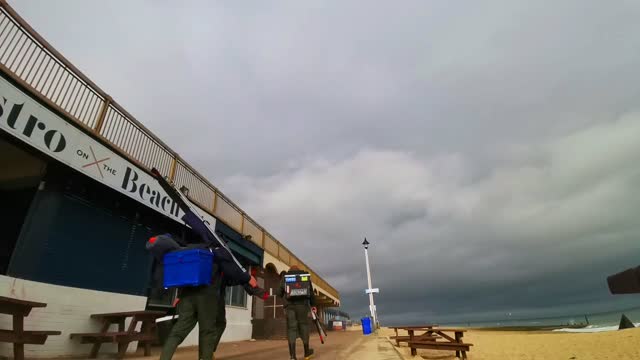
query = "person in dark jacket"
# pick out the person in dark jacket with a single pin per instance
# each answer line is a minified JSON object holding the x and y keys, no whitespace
{"x":221,"y":317}
{"x":201,"y":305}
{"x":297,"y":312}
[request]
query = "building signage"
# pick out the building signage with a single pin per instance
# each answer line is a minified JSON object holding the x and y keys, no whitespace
{"x":24,"y":118}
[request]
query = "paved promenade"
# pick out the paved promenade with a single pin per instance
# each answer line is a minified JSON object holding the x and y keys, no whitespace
{"x":338,"y":345}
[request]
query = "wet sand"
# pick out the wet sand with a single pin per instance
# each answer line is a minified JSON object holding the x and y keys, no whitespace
{"x":541,"y":345}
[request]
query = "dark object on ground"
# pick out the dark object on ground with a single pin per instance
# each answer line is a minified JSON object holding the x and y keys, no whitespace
{"x":625,"y":323}
{"x":625,"y":282}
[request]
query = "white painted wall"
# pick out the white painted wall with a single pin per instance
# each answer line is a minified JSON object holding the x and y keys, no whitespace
{"x":238,"y":326}
{"x":69,"y":311}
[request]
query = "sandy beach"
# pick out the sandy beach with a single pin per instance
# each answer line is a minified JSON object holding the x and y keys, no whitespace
{"x":535,"y":345}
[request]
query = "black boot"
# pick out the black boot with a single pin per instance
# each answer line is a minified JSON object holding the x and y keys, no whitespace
{"x":307,"y":352}
{"x":292,"y":351}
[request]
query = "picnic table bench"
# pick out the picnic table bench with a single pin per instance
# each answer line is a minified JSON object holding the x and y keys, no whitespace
{"x":410,"y":330}
{"x":122,"y":337}
{"x":430,"y":336}
{"x":20,"y":309}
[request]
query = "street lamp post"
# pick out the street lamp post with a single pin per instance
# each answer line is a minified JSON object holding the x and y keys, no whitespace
{"x":370,"y":290}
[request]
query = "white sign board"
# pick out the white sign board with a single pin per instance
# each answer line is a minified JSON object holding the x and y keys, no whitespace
{"x":24,"y":118}
{"x":372,"y":291}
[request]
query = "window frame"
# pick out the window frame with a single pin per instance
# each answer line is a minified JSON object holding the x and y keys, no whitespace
{"x":238,"y":289}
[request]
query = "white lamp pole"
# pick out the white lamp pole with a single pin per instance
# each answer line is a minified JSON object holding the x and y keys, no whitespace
{"x":370,"y":290}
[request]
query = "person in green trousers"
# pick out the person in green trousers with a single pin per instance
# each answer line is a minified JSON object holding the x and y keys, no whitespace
{"x":221,"y":317}
{"x":221,"y":323}
{"x":201,"y":305}
{"x":297,"y":313}
{"x":196,"y":306}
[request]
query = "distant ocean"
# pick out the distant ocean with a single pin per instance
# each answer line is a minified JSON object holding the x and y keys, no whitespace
{"x":597,"y":322}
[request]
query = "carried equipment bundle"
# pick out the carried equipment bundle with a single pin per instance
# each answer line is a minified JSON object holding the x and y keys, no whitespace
{"x":194,"y":261}
{"x":318,"y":323}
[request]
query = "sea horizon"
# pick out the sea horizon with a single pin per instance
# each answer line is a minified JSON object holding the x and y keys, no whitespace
{"x":593,"y":320}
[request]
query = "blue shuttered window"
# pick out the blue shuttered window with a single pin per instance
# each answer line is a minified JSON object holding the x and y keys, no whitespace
{"x":78,"y":234}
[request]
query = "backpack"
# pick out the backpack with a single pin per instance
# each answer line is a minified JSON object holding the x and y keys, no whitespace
{"x":297,"y":286}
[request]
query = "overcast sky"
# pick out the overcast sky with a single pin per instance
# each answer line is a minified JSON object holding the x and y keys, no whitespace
{"x":487,"y":149}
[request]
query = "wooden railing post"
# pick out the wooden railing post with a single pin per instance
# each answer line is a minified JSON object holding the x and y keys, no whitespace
{"x":172,"y":171}
{"x":242,"y":224}
{"x":102,"y":114}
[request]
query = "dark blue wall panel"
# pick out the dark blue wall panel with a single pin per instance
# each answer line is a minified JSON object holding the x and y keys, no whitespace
{"x":80,"y":233}
{"x":69,"y":242}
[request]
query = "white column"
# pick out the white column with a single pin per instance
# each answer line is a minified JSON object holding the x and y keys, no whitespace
{"x":371,"y":304}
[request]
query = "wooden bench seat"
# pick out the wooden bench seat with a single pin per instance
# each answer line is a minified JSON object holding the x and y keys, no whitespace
{"x":112,"y":337}
{"x":406,"y":338}
{"x":433,"y":345}
{"x":415,"y":337}
{"x":145,"y":336}
{"x":399,"y":337}
{"x":89,"y":337}
{"x":35,"y":337}
{"x":122,"y":338}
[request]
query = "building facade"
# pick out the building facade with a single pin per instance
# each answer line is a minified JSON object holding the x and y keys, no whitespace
{"x":78,"y":204}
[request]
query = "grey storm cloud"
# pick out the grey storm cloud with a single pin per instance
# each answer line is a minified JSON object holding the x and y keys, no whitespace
{"x":486,"y":149}
{"x":532,"y":233}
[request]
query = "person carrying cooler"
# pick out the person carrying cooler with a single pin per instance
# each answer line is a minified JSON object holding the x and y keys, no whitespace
{"x":202,"y":304}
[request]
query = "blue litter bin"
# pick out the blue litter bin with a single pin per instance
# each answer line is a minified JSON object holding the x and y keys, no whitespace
{"x":366,"y":325}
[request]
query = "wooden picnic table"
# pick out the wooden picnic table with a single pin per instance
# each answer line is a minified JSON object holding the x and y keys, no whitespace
{"x":20,"y":309}
{"x":123,"y":337}
{"x":410,"y":329}
{"x":428,"y":340}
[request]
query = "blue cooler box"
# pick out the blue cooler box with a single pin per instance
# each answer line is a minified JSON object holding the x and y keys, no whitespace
{"x":191,"y":267}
